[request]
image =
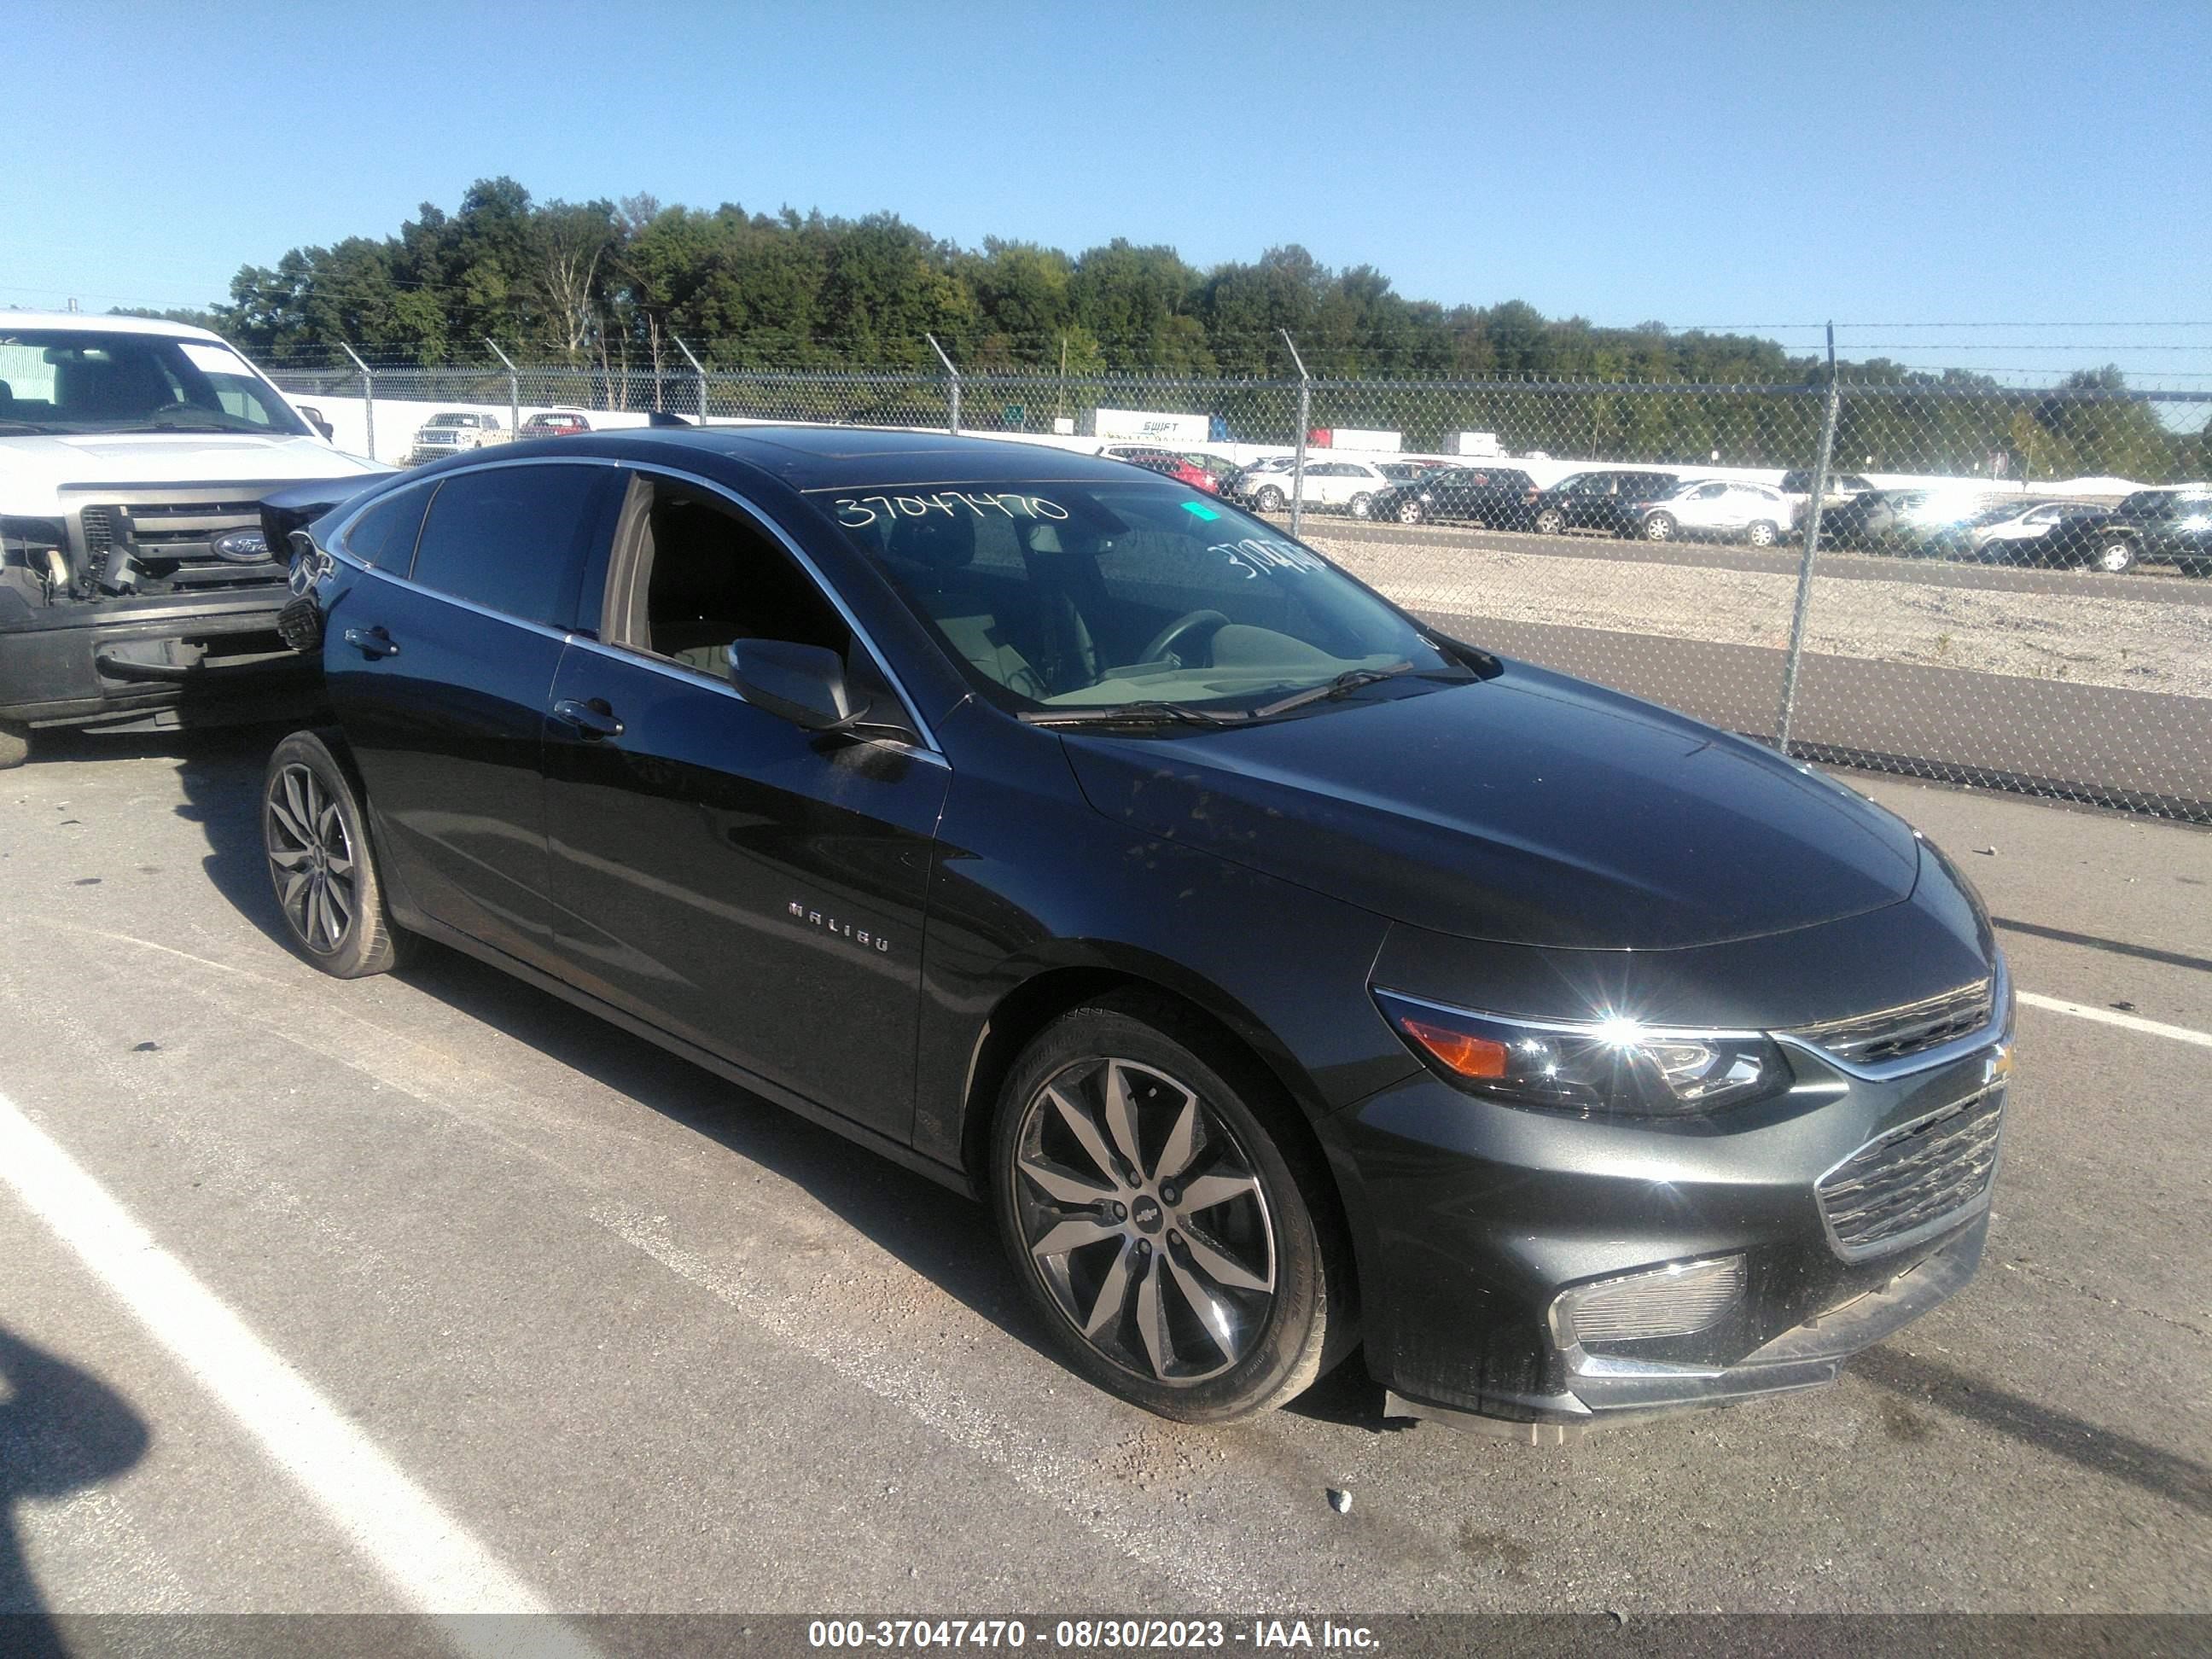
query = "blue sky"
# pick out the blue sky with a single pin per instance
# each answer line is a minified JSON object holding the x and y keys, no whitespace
{"x":1759,"y":165}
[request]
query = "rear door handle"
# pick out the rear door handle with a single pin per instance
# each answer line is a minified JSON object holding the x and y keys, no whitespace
{"x":372,"y":642}
{"x":591,"y":719}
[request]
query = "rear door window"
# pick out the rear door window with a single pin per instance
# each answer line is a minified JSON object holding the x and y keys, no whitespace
{"x":513,"y":538}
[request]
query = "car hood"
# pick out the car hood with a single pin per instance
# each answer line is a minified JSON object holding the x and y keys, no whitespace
{"x":1529,"y":809}
{"x":35,"y":471}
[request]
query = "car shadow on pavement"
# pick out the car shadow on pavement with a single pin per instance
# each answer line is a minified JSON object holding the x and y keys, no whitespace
{"x":61,"y":1429}
{"x":1912,"y":1378}
{"x":935,"y":1231}
{"x":945,"y":1237}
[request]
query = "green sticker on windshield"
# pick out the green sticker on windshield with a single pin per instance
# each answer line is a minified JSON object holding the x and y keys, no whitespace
{"x":1200,"y":510}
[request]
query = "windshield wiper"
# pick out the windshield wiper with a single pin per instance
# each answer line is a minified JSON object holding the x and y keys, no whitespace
{"x":1132,"y":714}
{"x":1351,"y":680}
{"x":202,"y":420}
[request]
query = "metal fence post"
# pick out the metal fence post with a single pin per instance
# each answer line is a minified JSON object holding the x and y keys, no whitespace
{"x":697,"y":368}
{"x":1819,"y":488}
{"x":367,"y":396}
{"x":1305,"y":419}
{"x":513,"y":387}
{"x":952,"y":387}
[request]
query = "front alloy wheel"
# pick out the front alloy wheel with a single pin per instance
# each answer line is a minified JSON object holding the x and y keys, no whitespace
{"x":1269,"y":499}
{"x":1145,"y":1220}
{"x":2116,"y":556}
{"x":1551,"y":522}
{"x":1159,"y":1225}
{"x":1409,"y":513}
{"x":1659,"y":527}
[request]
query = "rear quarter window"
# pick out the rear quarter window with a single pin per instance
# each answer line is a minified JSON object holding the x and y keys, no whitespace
{"x":385,"y":535}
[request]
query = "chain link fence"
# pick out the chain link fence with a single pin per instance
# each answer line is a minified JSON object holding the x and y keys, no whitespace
{"x":1958,"y":580}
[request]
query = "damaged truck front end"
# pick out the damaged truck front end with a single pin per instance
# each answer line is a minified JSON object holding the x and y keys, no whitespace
{"x":148,"y":608}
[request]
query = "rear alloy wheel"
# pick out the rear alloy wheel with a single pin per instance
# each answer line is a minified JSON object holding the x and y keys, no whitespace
{"x":2116,"y":556}
{"x":1551,"y":522}
{"x":1159,"y":1224}
{"x":15,"y":744}
{"x":1659,"y":527}
{"x":1761,"y":534}
{"x":1269,"y":499}
{"x":316,"y":841}
{"x":1409,"y":513}
{"x":1363,"y":507}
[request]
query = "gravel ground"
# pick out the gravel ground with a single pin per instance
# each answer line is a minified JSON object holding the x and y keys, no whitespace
{"x":2132,"y":643}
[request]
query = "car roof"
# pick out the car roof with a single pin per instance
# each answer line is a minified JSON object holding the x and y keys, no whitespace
{"x":88,"y":323}
{"x":832,"y":457}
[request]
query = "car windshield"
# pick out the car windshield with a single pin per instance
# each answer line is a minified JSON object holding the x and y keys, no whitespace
{"x":1113,"y":599}
{"x":84,"y":380}
{"x":450,"y":420}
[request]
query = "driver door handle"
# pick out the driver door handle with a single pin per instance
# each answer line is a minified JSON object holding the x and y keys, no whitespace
{"x":593,"y":720}
{"x":372,"y":642}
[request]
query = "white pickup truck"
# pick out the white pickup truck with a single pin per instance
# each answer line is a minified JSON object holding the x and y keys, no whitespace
{"x":138,"y":589}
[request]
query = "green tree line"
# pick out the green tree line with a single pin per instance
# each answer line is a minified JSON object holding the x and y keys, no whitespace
{"x":606,"y":288}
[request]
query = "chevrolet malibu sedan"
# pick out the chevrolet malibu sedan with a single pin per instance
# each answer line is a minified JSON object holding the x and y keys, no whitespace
{"x":1291,"y":979}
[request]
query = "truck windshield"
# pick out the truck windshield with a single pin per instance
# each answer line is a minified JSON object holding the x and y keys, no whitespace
{"x":1071,"y":600}
{"x":83,"y":380}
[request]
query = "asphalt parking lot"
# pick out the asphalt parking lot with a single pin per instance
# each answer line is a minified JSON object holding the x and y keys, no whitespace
{"x":640,"y":1342}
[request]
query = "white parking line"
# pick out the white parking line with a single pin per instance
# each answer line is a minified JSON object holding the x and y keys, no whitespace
{"x":432,"y":1562}
{"x":2113,"y":1017}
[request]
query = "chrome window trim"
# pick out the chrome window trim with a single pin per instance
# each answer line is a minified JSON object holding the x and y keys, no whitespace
{"x":928,"y":748}
{"x":524,"y":623}
{"x":692,"y":677}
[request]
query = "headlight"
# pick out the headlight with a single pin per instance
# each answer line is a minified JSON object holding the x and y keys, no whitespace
{"x":1592,"y":1067}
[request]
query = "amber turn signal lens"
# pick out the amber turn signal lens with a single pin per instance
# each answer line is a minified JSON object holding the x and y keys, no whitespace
{"x":1470,"y":1056}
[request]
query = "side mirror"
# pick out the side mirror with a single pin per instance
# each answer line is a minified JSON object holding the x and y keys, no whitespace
{"x":802,"y":683}
{"x":330,"y":433}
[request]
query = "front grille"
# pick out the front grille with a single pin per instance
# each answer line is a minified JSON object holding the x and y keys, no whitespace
{"x":1913,"y":1028}
{"x":172,"y":542}
{"x":1914,"y":1181}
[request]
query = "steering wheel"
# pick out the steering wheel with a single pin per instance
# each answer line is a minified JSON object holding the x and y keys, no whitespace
{"x":1170,"y":636}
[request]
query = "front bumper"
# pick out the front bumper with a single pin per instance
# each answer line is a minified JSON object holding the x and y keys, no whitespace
{"x":1478,"y":1215}
{"x":151,"y":663}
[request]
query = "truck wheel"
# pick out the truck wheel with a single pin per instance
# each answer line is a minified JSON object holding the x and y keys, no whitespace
{"x":1181,"y":1247}
{"x":2114,"y":555}
{"x":15,"y":744}
{"x":316,"y":839}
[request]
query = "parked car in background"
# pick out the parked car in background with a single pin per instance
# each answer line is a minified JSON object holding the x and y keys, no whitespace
{"x":1219,"y":468}
{"x":555,"y":423}
{"x":1598,"y":501}
{"x":1330,"y":481}
{"x":1797,"y":485}
{"x":1166,"y":463}
{"x":1496,"y":497}
{"x":455,"y":432}
{"x":2021,"y":532}
{"x":1928,"y":523}
{"x":2173,"y":525}
{"x":1292,"y":980}
{"x":1723,"y":508}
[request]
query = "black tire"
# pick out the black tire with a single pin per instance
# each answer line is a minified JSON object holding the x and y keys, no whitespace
{"x":1762,"y":534}
{"x":15,"y":744}
{"x":2114,"y":554}
{"x":1278,"y":1218}
{"x":1269,"y":499}
{"x":1659,"y":527}
{"x":1551,"y":522}
{"x":1362,"y":507}
{"x":315,"y":838}
{"x":1409,"y":513}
